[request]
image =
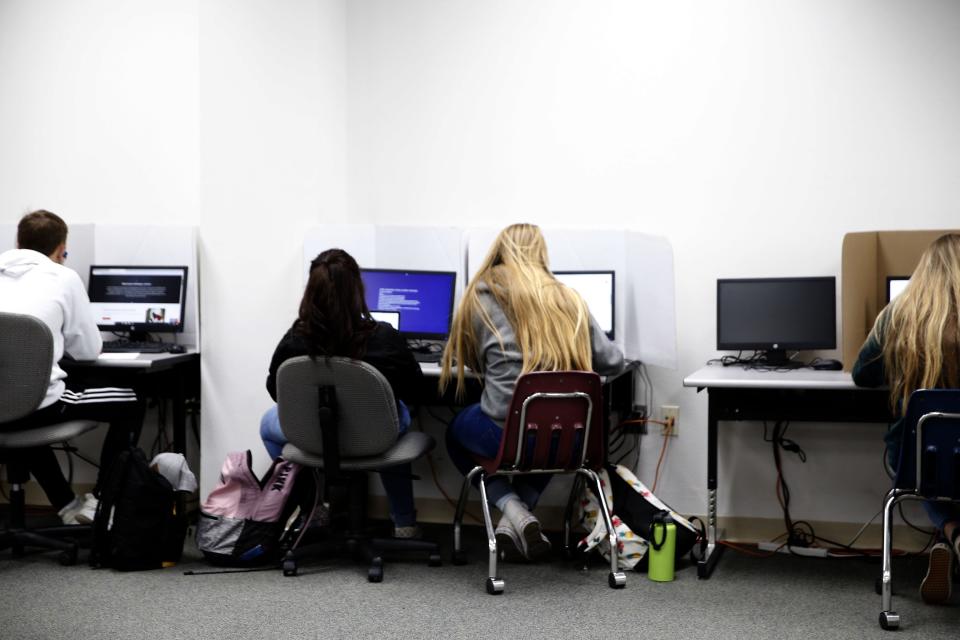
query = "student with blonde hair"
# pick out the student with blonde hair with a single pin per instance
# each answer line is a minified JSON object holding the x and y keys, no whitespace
{"x":514,"y":318}
{"x":915,"y":344}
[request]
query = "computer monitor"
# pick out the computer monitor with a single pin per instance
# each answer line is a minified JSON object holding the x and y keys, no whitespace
{"x":598,"y":290}
{"x":895,"y":286}
{"x":424,"y":299}
{"x":138,"y":300}
{"x":776,"y":314}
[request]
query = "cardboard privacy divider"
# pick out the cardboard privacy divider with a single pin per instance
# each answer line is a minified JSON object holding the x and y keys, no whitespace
{"x":867,"y":259}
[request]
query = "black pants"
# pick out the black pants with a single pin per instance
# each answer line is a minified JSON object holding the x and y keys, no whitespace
{"x":118,"y":407}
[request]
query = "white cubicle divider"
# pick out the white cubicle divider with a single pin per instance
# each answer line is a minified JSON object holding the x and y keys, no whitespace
{"x":154,"y":245}
{"x":645,"y":323}
{"x":8,"y":237}
{"x":391,"y":247}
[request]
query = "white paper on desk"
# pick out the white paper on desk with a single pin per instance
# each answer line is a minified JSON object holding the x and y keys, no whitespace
{"x":119,"y":356}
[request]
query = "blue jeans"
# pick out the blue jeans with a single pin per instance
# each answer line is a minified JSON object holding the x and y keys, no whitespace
{"x":397,"y":480}
{"x":471,"y":433}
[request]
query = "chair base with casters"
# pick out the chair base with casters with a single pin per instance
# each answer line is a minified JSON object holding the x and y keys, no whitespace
{"x":616,"y":579}
{"x":929,"y":469}
{"x":17,"y":536}
{"x":355,"y":541}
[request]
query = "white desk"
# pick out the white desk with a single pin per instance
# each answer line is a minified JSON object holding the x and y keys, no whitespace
{"x":801,"y":394}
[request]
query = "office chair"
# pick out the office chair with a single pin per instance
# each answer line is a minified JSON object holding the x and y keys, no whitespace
{"x":554,"y":426}
{"x":929,"y":469}
{"x":26,"y":354}
{"x":340,"y":419}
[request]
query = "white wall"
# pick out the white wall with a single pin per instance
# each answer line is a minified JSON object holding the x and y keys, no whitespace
{"x":752,"y":135}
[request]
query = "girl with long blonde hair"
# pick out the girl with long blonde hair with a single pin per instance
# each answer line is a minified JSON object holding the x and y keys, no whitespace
{"x":514,"y":318}
{"x":915,"y":344}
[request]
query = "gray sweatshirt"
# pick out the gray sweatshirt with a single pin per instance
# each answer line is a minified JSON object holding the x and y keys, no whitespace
{"x":502,"y":365}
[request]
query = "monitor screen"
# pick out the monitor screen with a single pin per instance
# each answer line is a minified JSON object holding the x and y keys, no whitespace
{"x":597,"y":290}
{"x":424,"y":299}
{"x":895,"y":286}
{"x":137,"y":298}
{"x":776,"y":313}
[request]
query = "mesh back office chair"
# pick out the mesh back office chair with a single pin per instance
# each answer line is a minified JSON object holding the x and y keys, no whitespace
{"x":340,"y":418}
{"x":554,"y":426}
{"x":26,"y":354}
{"x":929,"y":469}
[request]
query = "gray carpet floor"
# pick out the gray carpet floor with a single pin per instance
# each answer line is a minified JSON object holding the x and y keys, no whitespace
{"x":777,"y":597}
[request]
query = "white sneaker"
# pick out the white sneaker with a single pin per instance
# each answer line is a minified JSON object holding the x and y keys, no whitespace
{"x":89,"y":509}
{"x":534,"y":544}
{"x":68,"y":515}
{"x":509,"y":547}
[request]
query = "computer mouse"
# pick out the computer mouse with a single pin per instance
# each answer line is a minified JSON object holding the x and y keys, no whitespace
{"x":828,"y":365}
{"x":177,"y":348}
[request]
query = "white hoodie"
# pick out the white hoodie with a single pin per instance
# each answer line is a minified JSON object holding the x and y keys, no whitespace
{"x":33,"y":284}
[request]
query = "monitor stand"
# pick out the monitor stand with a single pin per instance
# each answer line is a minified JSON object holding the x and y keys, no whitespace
{"x":138,"y":336}
{"x":777,"y":358}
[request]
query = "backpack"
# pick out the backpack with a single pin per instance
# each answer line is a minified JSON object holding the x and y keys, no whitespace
{"x":632,"y":509}
{"x":136,"y":525}
{"x":240,"y":521}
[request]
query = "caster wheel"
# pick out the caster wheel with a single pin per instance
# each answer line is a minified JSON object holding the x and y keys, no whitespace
{"x":889,"y":620}
{"x":68,"y":558}
{"x":289,"y":568}
{"x":435,"y":560}
{"x":617,"y":580}
{"x":459,"y":558}
{"x":494,"y":587}
{"x":375,"y":572}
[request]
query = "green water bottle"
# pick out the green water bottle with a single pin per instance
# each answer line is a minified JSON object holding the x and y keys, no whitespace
{"x":663,"y":547}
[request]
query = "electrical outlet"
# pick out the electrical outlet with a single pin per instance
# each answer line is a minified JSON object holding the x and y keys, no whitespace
{"x":670,"y":413}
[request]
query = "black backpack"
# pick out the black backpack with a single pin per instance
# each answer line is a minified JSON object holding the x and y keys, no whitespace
{"x":136,"y":525}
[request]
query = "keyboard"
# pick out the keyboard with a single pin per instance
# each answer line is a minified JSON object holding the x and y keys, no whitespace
{"x":427,"y":356}
{"x":126,"y":346}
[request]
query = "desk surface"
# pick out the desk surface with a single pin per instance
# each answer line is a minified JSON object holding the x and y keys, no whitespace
{"x":137,"y":360}
{"x":714,"y":376}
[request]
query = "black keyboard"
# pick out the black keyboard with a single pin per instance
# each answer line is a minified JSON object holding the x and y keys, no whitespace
{"x":427,"y":356}
{"x":126,"y":346}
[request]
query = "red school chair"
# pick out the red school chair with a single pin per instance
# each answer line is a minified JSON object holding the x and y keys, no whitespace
{"x":555,"y":425}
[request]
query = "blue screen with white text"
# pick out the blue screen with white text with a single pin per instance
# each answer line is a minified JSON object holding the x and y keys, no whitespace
{"x":424,"y":300}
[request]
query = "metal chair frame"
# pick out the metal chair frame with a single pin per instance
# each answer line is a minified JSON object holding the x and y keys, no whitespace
{"x":494,"y":583}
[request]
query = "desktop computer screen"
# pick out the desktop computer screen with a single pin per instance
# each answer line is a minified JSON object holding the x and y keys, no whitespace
{"x":597,"y":288}
{"x":776,"y":314}
{"x":138,"y":299}
{"x":895,"y":286}
{"x":423,"y":299}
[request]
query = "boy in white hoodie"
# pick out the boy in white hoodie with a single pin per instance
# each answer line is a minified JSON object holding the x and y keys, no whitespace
{"x":33,"y":281}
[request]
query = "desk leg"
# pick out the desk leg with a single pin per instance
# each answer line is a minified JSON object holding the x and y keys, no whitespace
{"x":179,"y":398}
{"x":712,"y":550}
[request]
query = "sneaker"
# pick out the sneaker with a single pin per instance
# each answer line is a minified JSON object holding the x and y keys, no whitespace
{"x":935,"y":588}
{"x":509,"y":547}
{"x":68,"y":514}
{"x":89,"y":509}
{"x":407,"y":533}
{"x":534,"y":544}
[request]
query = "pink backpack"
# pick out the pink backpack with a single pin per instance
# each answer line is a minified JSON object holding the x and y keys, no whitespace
{"x":240,"y":521}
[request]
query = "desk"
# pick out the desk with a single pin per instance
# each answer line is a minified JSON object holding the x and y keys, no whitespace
{"x":802,"y":395}
{"x":173,"y":375}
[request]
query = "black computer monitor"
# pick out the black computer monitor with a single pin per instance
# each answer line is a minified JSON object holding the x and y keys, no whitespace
{"x":895,"y":286}
{"x":138,"y":299}
{"x":598,"y":290}
{"x":424,"y":299}
{"x":776,"y":315}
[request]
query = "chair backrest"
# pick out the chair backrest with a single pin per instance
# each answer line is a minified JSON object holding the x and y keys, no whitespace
{"x":555,"y":423}
{"x":931,"y":444}
{"x":365,"y":410}
{"x":26,"y":358}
